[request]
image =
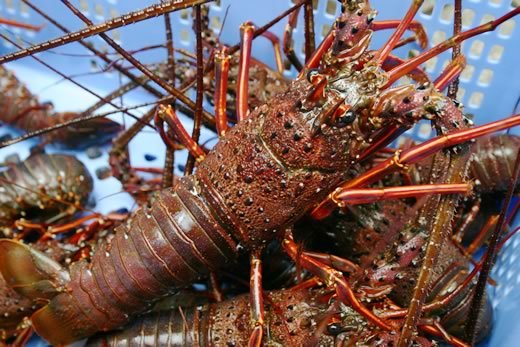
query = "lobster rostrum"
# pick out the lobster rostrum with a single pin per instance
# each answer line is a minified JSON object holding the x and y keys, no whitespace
{"x":264,"y":174}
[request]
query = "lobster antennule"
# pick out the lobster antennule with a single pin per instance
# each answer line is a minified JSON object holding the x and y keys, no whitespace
{"x":30,"y":272}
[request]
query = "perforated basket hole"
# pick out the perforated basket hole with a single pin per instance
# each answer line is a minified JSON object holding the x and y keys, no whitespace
{"x":515,"y":3}
{"x":315,"y":3}
{"x":447,"y":13}
{"x":83,"y":6}
{"x":215,"y":24}
{"x":468,"y":16}
{"x":425,"y":131}
{"x":185,"y":36}
{"x":476,"y":49}
{"x":487,"y":18}
{"x":461,"y":93}
{"x":9,"y":6}
{"x":325,"y":30}
{"x":24,"y":10}
{"x":438,"y":37}
{"x":485,"y":77}
{"x":114,"y":13}
{"x":427,"y":7}
{"x":476,"y":99}
{"x":495,"y":2}
{"x":99,"y":11}
{"x":330,"y":9}
{"x":116,"y":35}
{"x":467,"y":73}
{"x":506,"y":29}
{"x":496,"y":53}
{"x":185,"y":15}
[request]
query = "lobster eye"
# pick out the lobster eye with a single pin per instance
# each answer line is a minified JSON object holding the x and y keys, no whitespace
{"x":334,"y":328}
{"x":345,"y":119}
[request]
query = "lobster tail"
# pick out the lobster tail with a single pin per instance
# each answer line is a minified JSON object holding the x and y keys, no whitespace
{"x":162,"y":248}
{"x":30,"y":272}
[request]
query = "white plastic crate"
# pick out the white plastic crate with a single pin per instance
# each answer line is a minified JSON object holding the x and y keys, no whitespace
{"x":489,"y":85}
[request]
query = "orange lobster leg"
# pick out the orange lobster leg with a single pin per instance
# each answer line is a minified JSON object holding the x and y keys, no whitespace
{"x":333,"y":278}
{"x":452,"y":71}
{"x":256,"y":300}
{"x":16,"y":24}
{"x":403,"y":69}
{"x":416,"y":27}
{"x":398,"y":33}
{"x":170,"y":117}
{"x":246,"y":40}
{"x":413,"y":155}
{"x":342,"y":197}
{"x":221,"y":83}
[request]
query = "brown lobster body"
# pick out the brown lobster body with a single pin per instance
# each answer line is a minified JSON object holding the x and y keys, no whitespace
{"x":21,"y":109}
{"x":291,"y":318}
{"x":493,"y":162}
{"x":48,"y":183}
{"x":201,"y":224}
{"x":388,"y":247}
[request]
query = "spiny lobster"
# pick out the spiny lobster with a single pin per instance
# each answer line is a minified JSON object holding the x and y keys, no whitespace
{"x":265,"y":173}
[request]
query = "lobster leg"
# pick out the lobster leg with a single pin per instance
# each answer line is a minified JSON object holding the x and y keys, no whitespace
{"x":246,"y":40}
{"x":416,"y":27}
{"x":482,"y":235}
{"x":338,"y":263}
{"x":288,"y":47}
{"x":332,"y":278}
{"x":396,"y":35}
{"x":366,"y":196}
{"x":17,"y":24}
{"x":277,"y":50}
{"x":170,"y":117}
{"x":214,"y":288}
{"x":452,"y":71}
{"x":413,"y":155}
{"x":256,"y":300}
{"x":434,"y":328}
{"x":461,"y":230}
{"x":403,"y":69}
{"x":221,"y":83}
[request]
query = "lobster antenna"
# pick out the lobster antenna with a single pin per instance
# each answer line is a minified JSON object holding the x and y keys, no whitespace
{"x":78,"y":120}
{"x":453,"y":88}
{"x":195,"y":135}
{"x":128,"y":18}
{"x":169,"y":158}
{"x":71,"y":80}
{"x":489,"y":260}
{"x":173,"y":91}
{"x":223,"y":23}
{"x":310,"y":41}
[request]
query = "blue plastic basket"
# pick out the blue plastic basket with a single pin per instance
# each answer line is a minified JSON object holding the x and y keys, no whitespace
{"x":489,"y":85}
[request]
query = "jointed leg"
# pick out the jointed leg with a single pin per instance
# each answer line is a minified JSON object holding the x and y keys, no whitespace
{"x":256,"y":300}
{"x":413,"y":155}
{"x":246,"y":34}
{"x":221,"y":83}
{"x":331,"y":277}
